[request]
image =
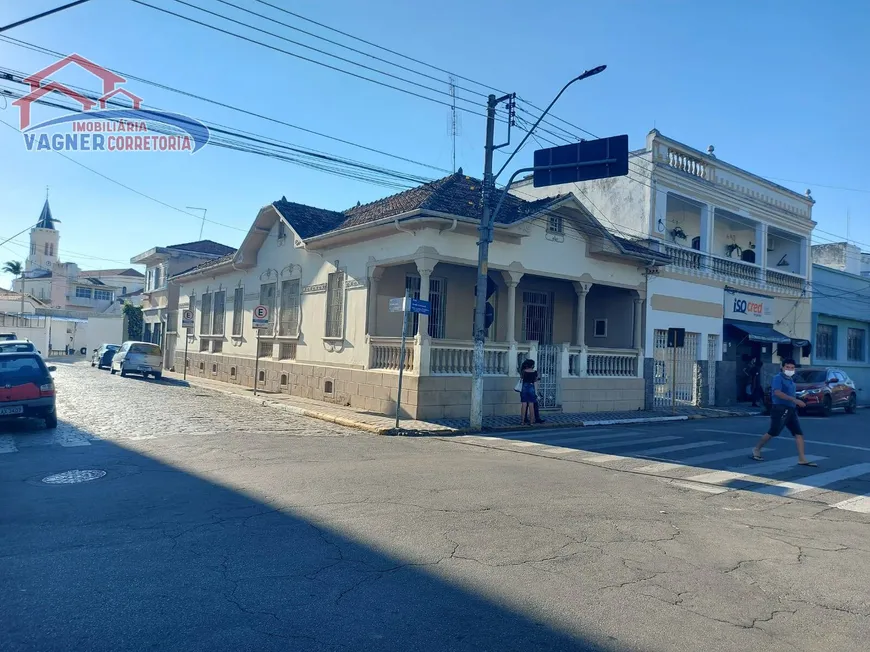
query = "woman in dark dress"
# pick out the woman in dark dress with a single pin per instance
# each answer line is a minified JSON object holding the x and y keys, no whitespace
{"x":528,"y":393}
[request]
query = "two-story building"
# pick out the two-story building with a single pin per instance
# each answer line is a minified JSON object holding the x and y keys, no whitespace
{"x":841,"y":313}
{"x":565,"y":292}
{"x":159,"y":298}
{"x":738,"y":280}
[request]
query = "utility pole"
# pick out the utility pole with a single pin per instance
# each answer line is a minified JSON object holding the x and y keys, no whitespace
{"x":453,"y":118}
{"x":485,"y":236}
{"x":487,"y":221}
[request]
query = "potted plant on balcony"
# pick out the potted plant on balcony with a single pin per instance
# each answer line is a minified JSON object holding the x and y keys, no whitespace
{"x":678,"y":233}
{"x":731,"y":248}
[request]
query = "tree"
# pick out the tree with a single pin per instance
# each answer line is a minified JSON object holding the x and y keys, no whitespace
{"x":133,"y":321}
{"x":15,"y":268}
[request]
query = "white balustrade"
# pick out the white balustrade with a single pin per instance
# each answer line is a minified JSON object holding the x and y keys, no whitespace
{"x":456,"y":358}
{"x":686,"y":163}
{"x":682,"y":257}
{"x":386,"y":353}
{"x":611,"y":363}
{"x":785,"y":279}
{"x":734,"y":268}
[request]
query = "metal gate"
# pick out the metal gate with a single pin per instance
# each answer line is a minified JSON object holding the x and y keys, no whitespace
{"x":712,"y":357}
{"x":538,"y":327}
{"x":548,"y":365}
{"x":682,"y":378}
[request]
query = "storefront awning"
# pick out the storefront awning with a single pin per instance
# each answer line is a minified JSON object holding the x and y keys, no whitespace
{"x":763,"y":333}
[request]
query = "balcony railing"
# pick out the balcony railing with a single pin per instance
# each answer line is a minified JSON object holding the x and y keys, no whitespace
{"x":735,"y":268}
{"x":685,"y":163}
{"x":602,"y":363}
{"x":706,"y":264}
{"x":456,"y":358}
{"x":386,"y":353}
{"x":785,"y":279}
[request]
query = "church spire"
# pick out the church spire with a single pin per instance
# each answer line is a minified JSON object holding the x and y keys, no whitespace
{"x":46,"y":221}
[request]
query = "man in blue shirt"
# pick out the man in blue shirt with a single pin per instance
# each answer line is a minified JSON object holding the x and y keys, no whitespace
{"x":783,"y":412}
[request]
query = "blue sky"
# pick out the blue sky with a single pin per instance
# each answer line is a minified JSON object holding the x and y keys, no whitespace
{"x":780,"y":88}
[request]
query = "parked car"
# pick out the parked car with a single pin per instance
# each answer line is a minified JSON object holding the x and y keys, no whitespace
{"x":138,"y":358}
{"x":17,"y":346}
{"x":823,"y":389}
{"x":102,"y":356}
{"x":27,"y":388}
{"x":6,"y":336}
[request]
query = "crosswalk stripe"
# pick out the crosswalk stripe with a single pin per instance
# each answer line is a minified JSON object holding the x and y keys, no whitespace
{"x":788,"y":488}
{"x":621,"y":444}
{"x":594,"y":438}
{"x":579,"y":437}
{"x":808,"y":442}
{"x":737,"y":472}
{"x":7,"y":445}
{"x":600,"y":459}
{"x":859,"y":504}
{"x":663,"y":467}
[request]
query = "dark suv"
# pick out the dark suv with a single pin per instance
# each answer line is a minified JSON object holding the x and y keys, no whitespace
{"x":823,"y":389}
{"x":26,"y":388}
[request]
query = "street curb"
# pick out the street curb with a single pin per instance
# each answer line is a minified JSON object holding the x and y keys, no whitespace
{"x":401,"y":432}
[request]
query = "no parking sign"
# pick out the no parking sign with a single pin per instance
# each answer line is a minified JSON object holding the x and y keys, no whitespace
{"x":261,"y":317}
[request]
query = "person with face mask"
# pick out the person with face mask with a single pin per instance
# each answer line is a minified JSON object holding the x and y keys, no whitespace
{"x":783,"y":412}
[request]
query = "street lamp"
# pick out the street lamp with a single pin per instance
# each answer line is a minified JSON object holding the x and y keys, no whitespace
{"x":486,"y":227}
{"x":588,"y":73}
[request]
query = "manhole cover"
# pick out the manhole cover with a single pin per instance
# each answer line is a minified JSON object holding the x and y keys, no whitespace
{"x":72,"y":477}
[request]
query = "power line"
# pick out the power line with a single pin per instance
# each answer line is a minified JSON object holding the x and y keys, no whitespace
{"x":304,"y":58}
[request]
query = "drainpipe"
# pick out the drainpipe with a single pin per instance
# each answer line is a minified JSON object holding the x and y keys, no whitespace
{"x":451,"y":228}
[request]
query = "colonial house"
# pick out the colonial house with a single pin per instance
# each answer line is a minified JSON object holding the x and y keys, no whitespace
{"x":159,"y":299}
{"x":740,"y":266}
{"x":565,"y":292}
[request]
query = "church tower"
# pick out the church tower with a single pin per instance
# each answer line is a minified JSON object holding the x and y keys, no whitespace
{"x":44,"y":240}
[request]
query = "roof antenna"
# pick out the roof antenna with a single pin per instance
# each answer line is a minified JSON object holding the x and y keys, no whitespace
{"x":453,"y":125}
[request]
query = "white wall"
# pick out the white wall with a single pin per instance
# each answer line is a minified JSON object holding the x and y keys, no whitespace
{"x":659,"y":319}
{"x":102,"y":330}
{"x":621,"y":203}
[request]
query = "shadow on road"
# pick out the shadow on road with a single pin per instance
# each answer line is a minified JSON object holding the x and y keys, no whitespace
{"x":151,"y":556}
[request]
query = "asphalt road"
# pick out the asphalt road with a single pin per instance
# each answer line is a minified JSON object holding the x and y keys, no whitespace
{"x":223,"y":525}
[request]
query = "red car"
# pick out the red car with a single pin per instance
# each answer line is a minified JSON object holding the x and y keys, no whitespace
{"x":27,"y":388}
{"x":823,"y":389}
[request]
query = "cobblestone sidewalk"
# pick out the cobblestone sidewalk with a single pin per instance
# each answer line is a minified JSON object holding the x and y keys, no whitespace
{"x":382,"y":425}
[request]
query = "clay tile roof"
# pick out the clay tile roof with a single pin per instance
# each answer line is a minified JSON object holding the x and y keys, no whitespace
{"x":456,"y":194}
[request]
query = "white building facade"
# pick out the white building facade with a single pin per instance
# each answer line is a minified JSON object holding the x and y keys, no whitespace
{"x":740,"y":271}
{"x":565,"y":292}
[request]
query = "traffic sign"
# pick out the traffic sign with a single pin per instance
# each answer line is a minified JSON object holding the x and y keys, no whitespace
{"x":187,"y":318}
{"x":584,"y":161}
{"x":397,"y":304}
{"x":491,"y":287}
{"x":261,"y":316}
{"x":420,"y":306}
{"x":676,"y":338}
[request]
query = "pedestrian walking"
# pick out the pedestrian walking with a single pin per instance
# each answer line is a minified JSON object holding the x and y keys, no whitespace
{"x":783,"y":413}
{"x":529,"y":393}
{"x":753,"y":376}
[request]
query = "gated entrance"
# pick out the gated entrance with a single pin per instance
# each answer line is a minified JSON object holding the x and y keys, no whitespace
{"x":538,"y":327}
{"x":685,"y":372}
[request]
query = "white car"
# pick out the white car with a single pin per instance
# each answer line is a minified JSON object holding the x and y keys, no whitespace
{"x":138,"y":358}
{"x":18,"y":346}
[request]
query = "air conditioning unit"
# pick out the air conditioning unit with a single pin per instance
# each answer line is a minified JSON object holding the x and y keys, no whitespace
{"x":771,"y":243}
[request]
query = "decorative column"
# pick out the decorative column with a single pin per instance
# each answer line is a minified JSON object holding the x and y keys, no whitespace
{"x":423,"y":341}
{"x":761,"y":250}
{"x":582,"y":289}
{"x":638,"y":334}
{"x":375,"y":275}
{"x":512,"y":280}
{"x":707,"y":228}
